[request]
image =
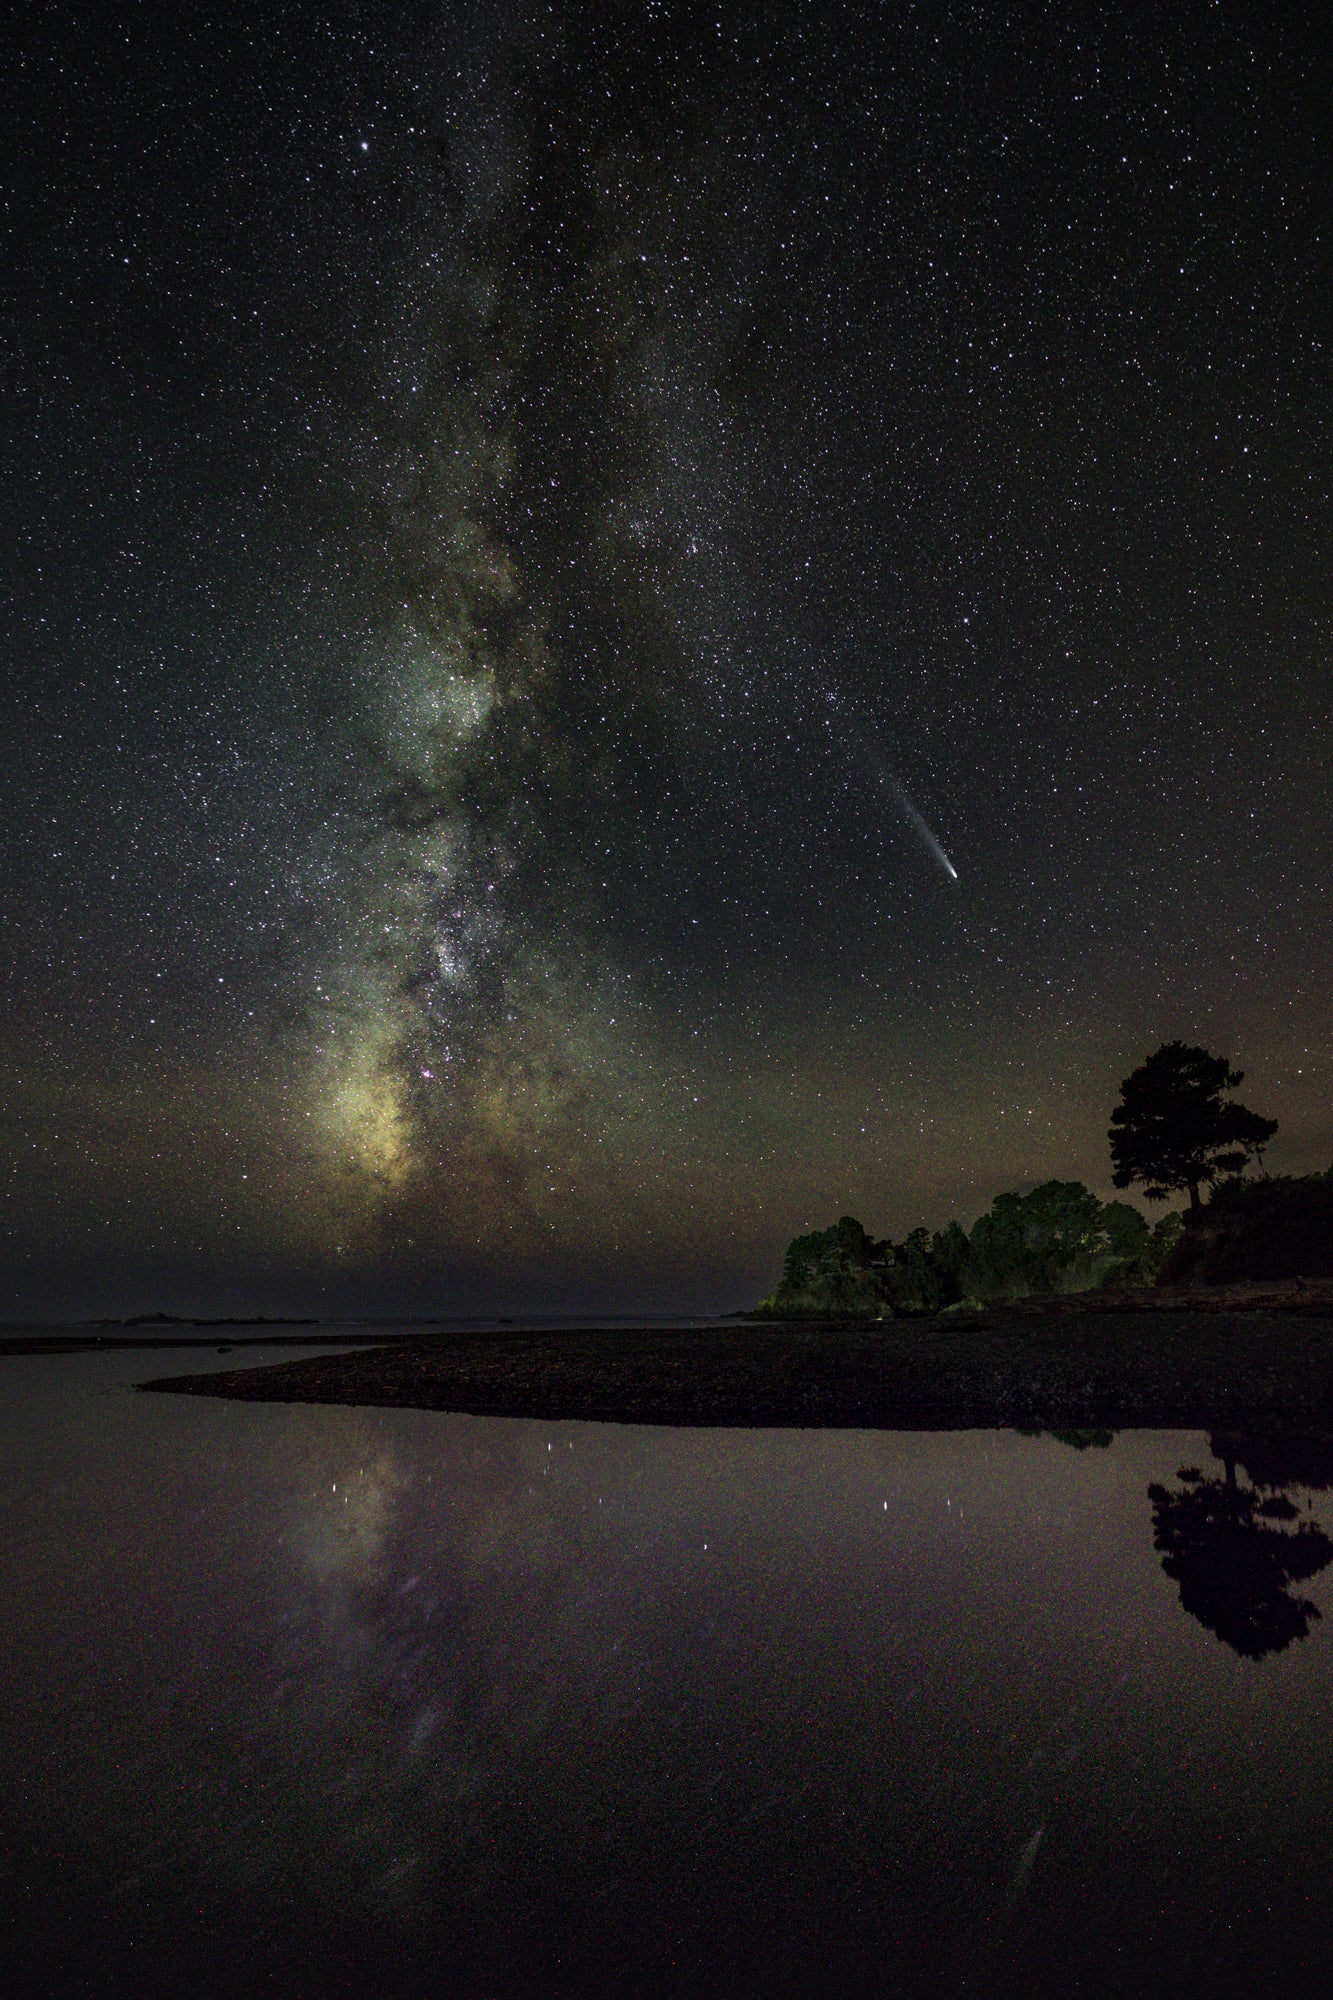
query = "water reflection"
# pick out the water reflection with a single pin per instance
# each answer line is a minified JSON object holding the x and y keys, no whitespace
{"x":1231,"y":1544}
{"x":1084,"y":1439}
{"x":331,"y":1702}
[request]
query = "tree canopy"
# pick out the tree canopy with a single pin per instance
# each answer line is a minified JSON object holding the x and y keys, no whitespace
{"x":1173,"y":1130}
{"x":1055,"y":1238}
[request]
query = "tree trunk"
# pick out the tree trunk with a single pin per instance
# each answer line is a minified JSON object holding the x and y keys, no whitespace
{"x":1194,"y":1195}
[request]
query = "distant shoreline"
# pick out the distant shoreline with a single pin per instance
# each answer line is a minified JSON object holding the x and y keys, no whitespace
{"x":1040,"y":1365}
{"x":39,"y":1339}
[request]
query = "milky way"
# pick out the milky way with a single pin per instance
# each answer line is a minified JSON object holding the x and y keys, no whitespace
{"x":630,"y":634}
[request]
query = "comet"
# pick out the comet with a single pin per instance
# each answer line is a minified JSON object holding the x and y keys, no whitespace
{"x":907,"y":807}
{"x":894,"y":785}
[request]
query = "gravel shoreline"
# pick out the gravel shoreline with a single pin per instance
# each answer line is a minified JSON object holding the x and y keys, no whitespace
{"x":1182,"y":1367}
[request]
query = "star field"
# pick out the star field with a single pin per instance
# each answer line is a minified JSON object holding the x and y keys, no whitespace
{"x":533,"y":536}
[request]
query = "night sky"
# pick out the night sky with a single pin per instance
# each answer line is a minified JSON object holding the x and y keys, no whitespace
{"x":630,"y":627}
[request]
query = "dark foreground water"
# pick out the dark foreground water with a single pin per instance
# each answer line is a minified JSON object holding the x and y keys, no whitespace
{"x":325,"y":1702}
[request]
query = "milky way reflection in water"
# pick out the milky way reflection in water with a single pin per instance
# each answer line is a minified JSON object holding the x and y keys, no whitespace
{"x":341,"y":1701}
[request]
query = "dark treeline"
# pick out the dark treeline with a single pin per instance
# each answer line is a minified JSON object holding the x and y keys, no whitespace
{"x":1174,"y":1131}
{"x":1061,"y":1238}
{"x":1279,"y":1227}
{"x":1057,"y":1238}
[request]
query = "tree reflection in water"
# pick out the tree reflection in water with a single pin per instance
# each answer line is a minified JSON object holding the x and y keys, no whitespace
{"x":1231,"y":1546}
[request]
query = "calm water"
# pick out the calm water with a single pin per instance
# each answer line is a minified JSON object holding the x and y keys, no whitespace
{"x":304,"y":1701}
